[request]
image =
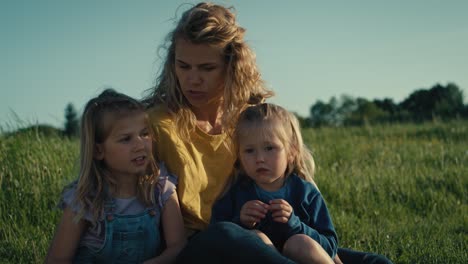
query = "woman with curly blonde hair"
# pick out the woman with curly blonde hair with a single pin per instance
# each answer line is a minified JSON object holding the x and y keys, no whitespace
{"x":208,"y":77}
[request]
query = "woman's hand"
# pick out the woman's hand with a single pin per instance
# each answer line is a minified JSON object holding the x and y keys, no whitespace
{"x":281,"y":210}
{"x":253,"y":212}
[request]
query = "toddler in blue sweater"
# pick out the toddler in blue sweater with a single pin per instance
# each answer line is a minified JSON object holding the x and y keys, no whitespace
{"x":272,"y":191}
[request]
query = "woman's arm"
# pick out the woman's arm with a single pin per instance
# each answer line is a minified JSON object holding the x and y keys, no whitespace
{"x":66,"y":238}
{"x":228,"y":207}
{"x":223,"y":209}
{"x":173,"y":228}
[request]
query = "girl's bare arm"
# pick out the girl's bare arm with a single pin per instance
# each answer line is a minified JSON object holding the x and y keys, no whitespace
{"x":173,"y":228}
{"x":66,"y":239}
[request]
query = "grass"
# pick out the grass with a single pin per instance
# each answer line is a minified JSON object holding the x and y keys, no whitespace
{"x":398,"y":190}
{"x":33,"y":170}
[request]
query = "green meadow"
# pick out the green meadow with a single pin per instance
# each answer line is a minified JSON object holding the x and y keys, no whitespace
{"x":397,"y":190}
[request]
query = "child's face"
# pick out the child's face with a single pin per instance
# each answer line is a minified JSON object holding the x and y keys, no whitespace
{"x":127,"y":150}
{"x":264,"y":159}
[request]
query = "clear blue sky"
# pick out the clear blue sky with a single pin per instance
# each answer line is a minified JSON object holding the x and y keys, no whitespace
{"x":53,"y":52}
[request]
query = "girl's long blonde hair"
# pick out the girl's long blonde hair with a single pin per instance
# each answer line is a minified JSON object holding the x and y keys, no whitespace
{"x":267,"y":120}
{"x":214,"y":25}
{"x":94,"y":181}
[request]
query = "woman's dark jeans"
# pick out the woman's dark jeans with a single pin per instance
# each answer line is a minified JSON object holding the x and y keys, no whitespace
{"x":352,"y":256}
{"x":226,"y":242}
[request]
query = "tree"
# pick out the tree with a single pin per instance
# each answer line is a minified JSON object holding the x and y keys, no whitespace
{"x":387,"y":105}
{"x":367,"y":112}
{"x":71,"y":121}
{"x":347,"y":106}
{"x":333,"y":113}
{"x":440,"y":101}
{"x":450,"y":103}
{"x":393,"y":112}
{"x":322,"y":113}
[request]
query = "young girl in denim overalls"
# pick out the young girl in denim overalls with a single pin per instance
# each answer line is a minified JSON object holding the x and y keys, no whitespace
{"x":114,"y":211}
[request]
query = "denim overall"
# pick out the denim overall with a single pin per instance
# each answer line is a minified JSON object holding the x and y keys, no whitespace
{"x":128,"y":238}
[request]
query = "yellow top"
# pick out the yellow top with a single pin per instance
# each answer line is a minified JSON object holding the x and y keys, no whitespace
{"x":202,"y":166}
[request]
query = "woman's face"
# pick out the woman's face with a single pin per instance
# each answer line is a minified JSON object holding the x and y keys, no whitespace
{"x":201,"y":71}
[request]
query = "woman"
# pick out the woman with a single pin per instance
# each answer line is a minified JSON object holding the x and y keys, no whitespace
{"x":208,"y":77}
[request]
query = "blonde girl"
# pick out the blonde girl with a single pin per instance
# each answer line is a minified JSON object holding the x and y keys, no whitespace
{"x":113,"y":212}
{"x":273,"y":193}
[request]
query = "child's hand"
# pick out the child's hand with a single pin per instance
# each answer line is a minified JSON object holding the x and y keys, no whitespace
{"x":252,"y":212}
{"x":280,"y":210}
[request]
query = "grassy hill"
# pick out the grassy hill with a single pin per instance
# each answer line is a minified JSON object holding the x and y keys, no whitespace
{"x":397,"y":190}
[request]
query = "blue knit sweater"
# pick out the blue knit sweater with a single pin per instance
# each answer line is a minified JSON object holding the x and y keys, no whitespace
{"x":310,"y":214}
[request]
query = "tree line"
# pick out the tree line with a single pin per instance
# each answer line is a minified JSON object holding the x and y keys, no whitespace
{"x":436,"y":103}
